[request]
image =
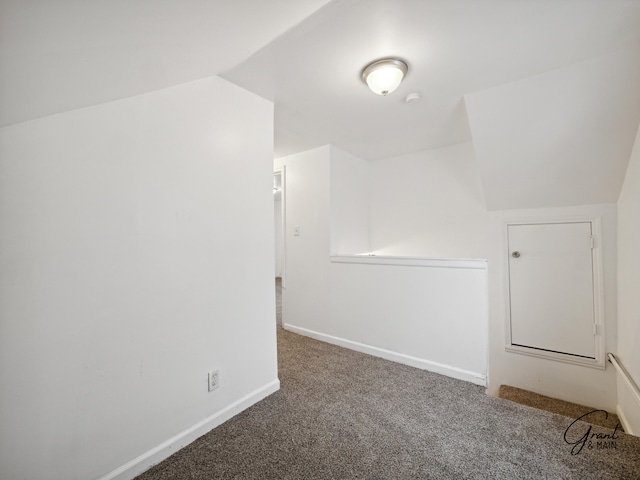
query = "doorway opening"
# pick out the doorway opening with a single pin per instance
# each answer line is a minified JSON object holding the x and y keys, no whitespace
{"x":279,"y":209}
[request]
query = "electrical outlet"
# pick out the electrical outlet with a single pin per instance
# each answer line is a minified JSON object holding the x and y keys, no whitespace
{"x":214,"y":379}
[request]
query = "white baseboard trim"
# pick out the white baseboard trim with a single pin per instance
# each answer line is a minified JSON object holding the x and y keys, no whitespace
{"x":449,"y":371}
{"x":624,"y":421}
{"x":150,"y":458}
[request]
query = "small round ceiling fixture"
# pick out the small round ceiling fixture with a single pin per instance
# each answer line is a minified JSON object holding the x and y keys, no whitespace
{"x":413,"y":97}
{"x":384,"y":76}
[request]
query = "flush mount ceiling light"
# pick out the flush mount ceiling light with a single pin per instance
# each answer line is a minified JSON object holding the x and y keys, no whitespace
{"x":384,"y":76}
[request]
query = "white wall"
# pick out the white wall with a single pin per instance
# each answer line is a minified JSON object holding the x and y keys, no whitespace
{"x":629,"y":287}
{"x":307,"y":255}
{"x":430,"y":204}
{"x":131,"y":236}
{"x":559,"y":138}
{"x":409,"y":310}
{"x":349,"y":185}
{"x":407,"y":313}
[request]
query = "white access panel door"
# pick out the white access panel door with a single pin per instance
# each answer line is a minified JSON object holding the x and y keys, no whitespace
{"x":551,"y":287}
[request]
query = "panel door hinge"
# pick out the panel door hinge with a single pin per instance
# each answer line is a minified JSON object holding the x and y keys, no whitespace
{"x":595,"y":329}
{"x":591,"y":239}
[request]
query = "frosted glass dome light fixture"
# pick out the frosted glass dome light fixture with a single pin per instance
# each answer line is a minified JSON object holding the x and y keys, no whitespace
{"x":384,"y":76}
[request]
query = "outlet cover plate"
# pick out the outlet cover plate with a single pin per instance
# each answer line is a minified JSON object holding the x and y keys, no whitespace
{"x":214,"y":379}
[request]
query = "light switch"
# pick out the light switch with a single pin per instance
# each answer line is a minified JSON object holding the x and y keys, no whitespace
{"x":296,"y":230}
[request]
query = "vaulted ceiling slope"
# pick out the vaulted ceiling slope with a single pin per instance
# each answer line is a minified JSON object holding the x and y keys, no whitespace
{"x":547,"y":90}
{"x":453,"y":48}
{"x":560,"y":138}
{"x":61,"y":55}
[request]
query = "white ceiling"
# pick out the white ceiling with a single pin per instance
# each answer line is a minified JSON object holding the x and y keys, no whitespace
{"x":560,"y":138}
{"x":488,"y":70}
{"x":59,"y":55}
{"x":453,"y":47}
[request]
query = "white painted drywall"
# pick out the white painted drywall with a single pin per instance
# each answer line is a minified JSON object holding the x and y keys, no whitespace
{"x":349,"y":182}
{"x":132,"y":235}
{"x":430,"y":204}
{"x":414,"y":310}
{"x":406,"y":310}
{"x":453,"y":47}
{"x":307,"y":255}
{"x":77,"y":58}
{"x":560,"y":138}
{"x":628,"y":286}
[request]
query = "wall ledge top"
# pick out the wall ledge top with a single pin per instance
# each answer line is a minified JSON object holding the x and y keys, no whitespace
{"x":372,"y":259}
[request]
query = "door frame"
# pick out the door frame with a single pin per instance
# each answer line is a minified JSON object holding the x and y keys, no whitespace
{"x":598,"y":292}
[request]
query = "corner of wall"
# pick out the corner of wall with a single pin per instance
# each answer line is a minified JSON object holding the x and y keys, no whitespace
{"x":628,"y":285}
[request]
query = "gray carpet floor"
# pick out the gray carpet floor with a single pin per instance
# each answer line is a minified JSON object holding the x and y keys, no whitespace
{"x":279,"y":301}
{"x":568,"y":409}
{"x":344,"y":415}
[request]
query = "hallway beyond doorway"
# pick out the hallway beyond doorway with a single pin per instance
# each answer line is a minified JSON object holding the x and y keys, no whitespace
{"x":279,"y":301}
